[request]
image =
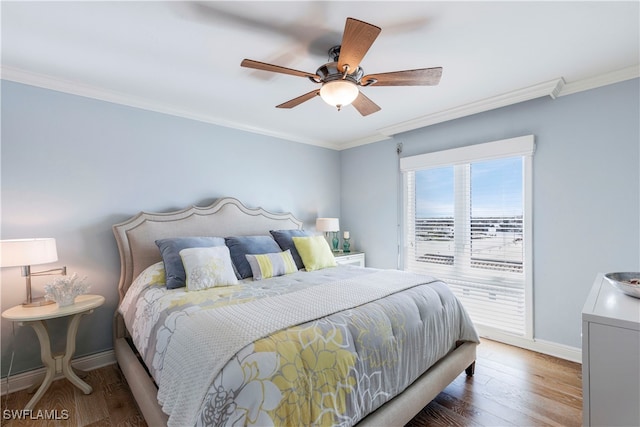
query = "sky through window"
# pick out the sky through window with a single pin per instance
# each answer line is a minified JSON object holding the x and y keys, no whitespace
{"x":496,"y":189}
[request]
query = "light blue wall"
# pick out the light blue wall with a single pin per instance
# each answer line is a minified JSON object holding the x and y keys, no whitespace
{"x":73,"y":166}
{"x":586,"y":192}
{"x":369,"y":201}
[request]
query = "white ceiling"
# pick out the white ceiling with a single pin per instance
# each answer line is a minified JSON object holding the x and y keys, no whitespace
{"x":184,"y":57}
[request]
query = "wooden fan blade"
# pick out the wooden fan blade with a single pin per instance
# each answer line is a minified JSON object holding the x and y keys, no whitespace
{"x":250,"y":63}
{"x":357,"y":38}
{"x":420,"y":77}
{"x":299,"y":100}
{"x":364,"y":105}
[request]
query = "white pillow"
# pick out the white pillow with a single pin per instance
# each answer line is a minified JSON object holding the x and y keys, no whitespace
{"x":208,"y":267}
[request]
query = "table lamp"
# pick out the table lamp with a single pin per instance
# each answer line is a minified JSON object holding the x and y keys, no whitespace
{"x":329,"y":225}
{"x":27,"y":252}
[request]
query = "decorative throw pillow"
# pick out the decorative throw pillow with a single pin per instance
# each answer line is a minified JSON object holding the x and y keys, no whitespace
{"x":271,"y":265}
{"x":239,"y":246}
{"x":284,"y":239}
{"x":315,"y":252}
{"x":208,"y":267}
{"x":170,"y":251}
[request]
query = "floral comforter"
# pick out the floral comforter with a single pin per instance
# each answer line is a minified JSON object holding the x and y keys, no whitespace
{"x":333,"y":370}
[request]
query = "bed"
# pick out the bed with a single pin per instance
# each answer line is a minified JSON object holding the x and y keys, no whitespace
{"x":323,"y":345}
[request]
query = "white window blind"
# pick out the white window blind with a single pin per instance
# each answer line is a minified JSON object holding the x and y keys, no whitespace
{"x":467,"y":221}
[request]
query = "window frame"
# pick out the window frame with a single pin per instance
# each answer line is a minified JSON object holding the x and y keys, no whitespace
{"x":523,"y":146}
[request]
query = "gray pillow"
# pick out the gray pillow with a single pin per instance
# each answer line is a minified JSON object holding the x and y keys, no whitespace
{"x":170,"y":251}
{"x":285,"y":240}
{"x":239,"y":246}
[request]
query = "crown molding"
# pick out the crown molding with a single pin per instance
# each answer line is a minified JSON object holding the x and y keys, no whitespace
{"x":550,"y":88}
{"x":628,"y":73}
{"x":553,"y":88}
{"x":80,"y":89}
{"x":363,"y":141}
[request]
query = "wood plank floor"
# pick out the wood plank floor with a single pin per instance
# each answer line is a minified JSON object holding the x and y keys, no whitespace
{"x":110,"y":404}
{"x":511,"y":387}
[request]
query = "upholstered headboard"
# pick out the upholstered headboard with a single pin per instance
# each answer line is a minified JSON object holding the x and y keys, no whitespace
{"x":225,"y":217}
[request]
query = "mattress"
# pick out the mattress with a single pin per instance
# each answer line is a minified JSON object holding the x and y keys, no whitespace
{"x":332,"y":368}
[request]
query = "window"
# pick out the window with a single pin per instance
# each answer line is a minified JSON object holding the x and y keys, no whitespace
{"x":467,"y":221}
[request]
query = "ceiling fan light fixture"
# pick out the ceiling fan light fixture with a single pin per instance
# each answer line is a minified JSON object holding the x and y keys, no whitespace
{"x":341,"y":76}
{"x":339,"y":93}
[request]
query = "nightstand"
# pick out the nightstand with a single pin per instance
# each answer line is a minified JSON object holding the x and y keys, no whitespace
{"x":55,"y":363}
{"x":350,"y":258}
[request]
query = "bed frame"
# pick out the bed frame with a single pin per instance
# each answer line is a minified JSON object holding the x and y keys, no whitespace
{"x":226,"y":217}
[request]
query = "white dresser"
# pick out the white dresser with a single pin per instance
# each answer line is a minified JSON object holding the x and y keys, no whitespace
{"x":610,"y":357}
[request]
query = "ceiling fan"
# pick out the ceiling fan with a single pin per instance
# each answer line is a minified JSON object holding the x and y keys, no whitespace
{"x":341,"y":77}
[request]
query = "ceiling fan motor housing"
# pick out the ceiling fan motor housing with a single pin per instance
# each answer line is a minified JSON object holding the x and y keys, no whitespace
{"x":329,"y":72}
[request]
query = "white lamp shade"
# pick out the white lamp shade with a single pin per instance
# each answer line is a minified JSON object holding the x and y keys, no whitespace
{"x":327,"y":224}
{"x":339,"y":92}
{"x":23,"y":252}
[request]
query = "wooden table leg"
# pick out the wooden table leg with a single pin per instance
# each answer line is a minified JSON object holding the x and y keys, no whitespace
{"x":40,"y":327}
{"x":67,"y":370}
{"x":59,"y":363}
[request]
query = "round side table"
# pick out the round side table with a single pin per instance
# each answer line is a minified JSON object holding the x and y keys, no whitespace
{"x":55,"y":363}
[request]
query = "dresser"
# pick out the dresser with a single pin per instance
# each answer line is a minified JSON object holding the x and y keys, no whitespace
{"x":610,"y":357}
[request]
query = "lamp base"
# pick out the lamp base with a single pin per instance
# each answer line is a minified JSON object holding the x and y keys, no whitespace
{"x":335,"y":241}
{"x":37,"y":302}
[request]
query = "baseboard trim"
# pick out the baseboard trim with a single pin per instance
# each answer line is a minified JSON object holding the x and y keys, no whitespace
{"x":572,"y":354}
{"x":27,"y":379}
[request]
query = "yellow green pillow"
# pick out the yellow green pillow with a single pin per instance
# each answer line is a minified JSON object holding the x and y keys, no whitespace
{"x":314,"y":252}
